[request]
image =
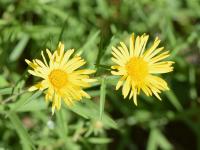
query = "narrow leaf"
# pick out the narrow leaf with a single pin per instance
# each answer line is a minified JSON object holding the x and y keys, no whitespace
{"x":24,"y":101}
{"x":26,"y":140}
{"x":174,"y":100}
{"x":19,"y":48}
{"x":5,"y":91}
{"x":95,"y":140}
{"x":102,"y":96}
{"x":90,"y":110}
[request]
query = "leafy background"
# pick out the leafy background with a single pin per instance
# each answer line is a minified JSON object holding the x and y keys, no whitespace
{"x":92,"y":27}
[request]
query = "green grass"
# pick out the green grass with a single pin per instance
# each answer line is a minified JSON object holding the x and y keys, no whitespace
{"x":106,"y":121}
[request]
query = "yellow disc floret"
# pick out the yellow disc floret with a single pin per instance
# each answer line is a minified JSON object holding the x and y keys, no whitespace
{"x":58,"y":78}
{"x":137,"y":68}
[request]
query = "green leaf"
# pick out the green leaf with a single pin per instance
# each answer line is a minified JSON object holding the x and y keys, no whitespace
{"x":174,"y":100}
{"x":102,"y":97}
{"x":92,"y":39}
{"x":91,"y":43}
{"x":192,"y":81}
{"x":62,"y":128}
{"x":157,"y":139}
{"x":184,"y":44}
{"x":103,"y":8}
{"x":55,"y":11}
{"x":5,"y":91}
{"x":95,"y":140}
{"x":26,"y":140}
{"x":19,"y":48}
{"x":32,"y":106}
{"x":90,"y":110}
{"x":3,"y":81}
{"x":104,"y":42}
{"x":62,"y":30}
{"x":62,"y":123}
{"x":24,"y":101}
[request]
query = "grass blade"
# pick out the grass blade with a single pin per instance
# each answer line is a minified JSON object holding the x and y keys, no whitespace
{"x":5,"y":91}
{"x":157,"y":139}
{"x":174,"y":100}
{"x":82,"y":110}
{"x":102,"y":96}
{"x":26,"y":140}
{"x":24,"y":101}
{"x":62,"y":30}
{"x":19,"y":48}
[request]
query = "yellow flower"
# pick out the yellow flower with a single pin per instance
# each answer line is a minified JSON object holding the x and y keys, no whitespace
{"x":137,"y":67}
{"x":60,"y":77}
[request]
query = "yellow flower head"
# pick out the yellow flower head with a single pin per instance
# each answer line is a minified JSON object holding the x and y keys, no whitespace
{"x":60,"y":77}
{"x":137,"y":67}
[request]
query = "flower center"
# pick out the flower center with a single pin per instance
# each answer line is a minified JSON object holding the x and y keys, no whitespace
{"x":137,"y":68}
{"x":58,"y":78}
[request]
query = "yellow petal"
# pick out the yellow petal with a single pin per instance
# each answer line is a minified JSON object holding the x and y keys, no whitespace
{"x":152,"y":48}
{"x":120,"y":82}
{"x":126,"y":87}
{"x":132,"y":44}
{"x":135,"y":98}
{"x":126,"y":51}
